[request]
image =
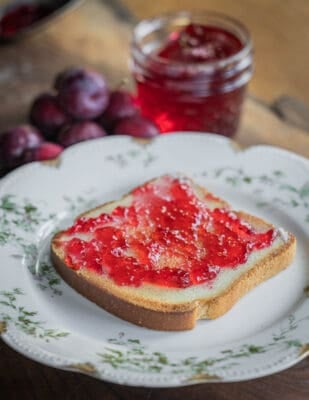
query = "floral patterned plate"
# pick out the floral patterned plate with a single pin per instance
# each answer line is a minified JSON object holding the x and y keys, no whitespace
{"x":44,"y":319}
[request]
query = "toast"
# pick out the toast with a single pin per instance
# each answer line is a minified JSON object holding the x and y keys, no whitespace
{"x":168,"y":254}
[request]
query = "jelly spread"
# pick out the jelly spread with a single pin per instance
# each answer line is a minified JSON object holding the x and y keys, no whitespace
{"x":200,"y":43}
{"x":183,"y":84}
{"x":167,"y":236}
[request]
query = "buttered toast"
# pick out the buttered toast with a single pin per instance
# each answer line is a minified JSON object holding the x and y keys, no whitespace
{"x":169,"y":253}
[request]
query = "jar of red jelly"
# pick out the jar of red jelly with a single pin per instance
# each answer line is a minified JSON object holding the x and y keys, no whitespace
{"x":191,"y":71}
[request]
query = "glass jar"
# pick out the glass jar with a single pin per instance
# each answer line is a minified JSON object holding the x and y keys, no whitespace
{"x":192,"y":81}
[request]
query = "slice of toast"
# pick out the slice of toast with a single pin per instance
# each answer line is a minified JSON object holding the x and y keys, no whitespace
{"x":169,"y":253}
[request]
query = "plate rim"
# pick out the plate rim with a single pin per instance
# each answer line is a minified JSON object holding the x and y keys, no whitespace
{"x":212,"y":137}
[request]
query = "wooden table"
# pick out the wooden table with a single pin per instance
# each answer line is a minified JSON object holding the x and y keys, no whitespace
{"x":98,"y":35}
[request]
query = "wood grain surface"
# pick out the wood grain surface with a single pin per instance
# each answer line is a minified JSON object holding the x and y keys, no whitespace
{"x":98,"y":34}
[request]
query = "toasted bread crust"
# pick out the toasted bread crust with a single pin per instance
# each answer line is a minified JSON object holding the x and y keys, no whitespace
{"x":86,"y":284}
{"x":170,"y":316}
{"x":262,"y":270}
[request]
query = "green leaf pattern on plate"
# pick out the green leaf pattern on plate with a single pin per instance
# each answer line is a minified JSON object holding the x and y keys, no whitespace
{"x":123,"y":160}
{"x":23,"y":319}
{"x":19,"y":217}
{"x":290,"y":196}
{"x":130,"y":354}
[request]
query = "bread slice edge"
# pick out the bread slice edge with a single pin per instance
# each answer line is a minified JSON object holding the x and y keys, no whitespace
{"x":182,"y":316}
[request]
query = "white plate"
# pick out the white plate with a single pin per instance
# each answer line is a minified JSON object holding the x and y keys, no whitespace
{"x":44,"y":319}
